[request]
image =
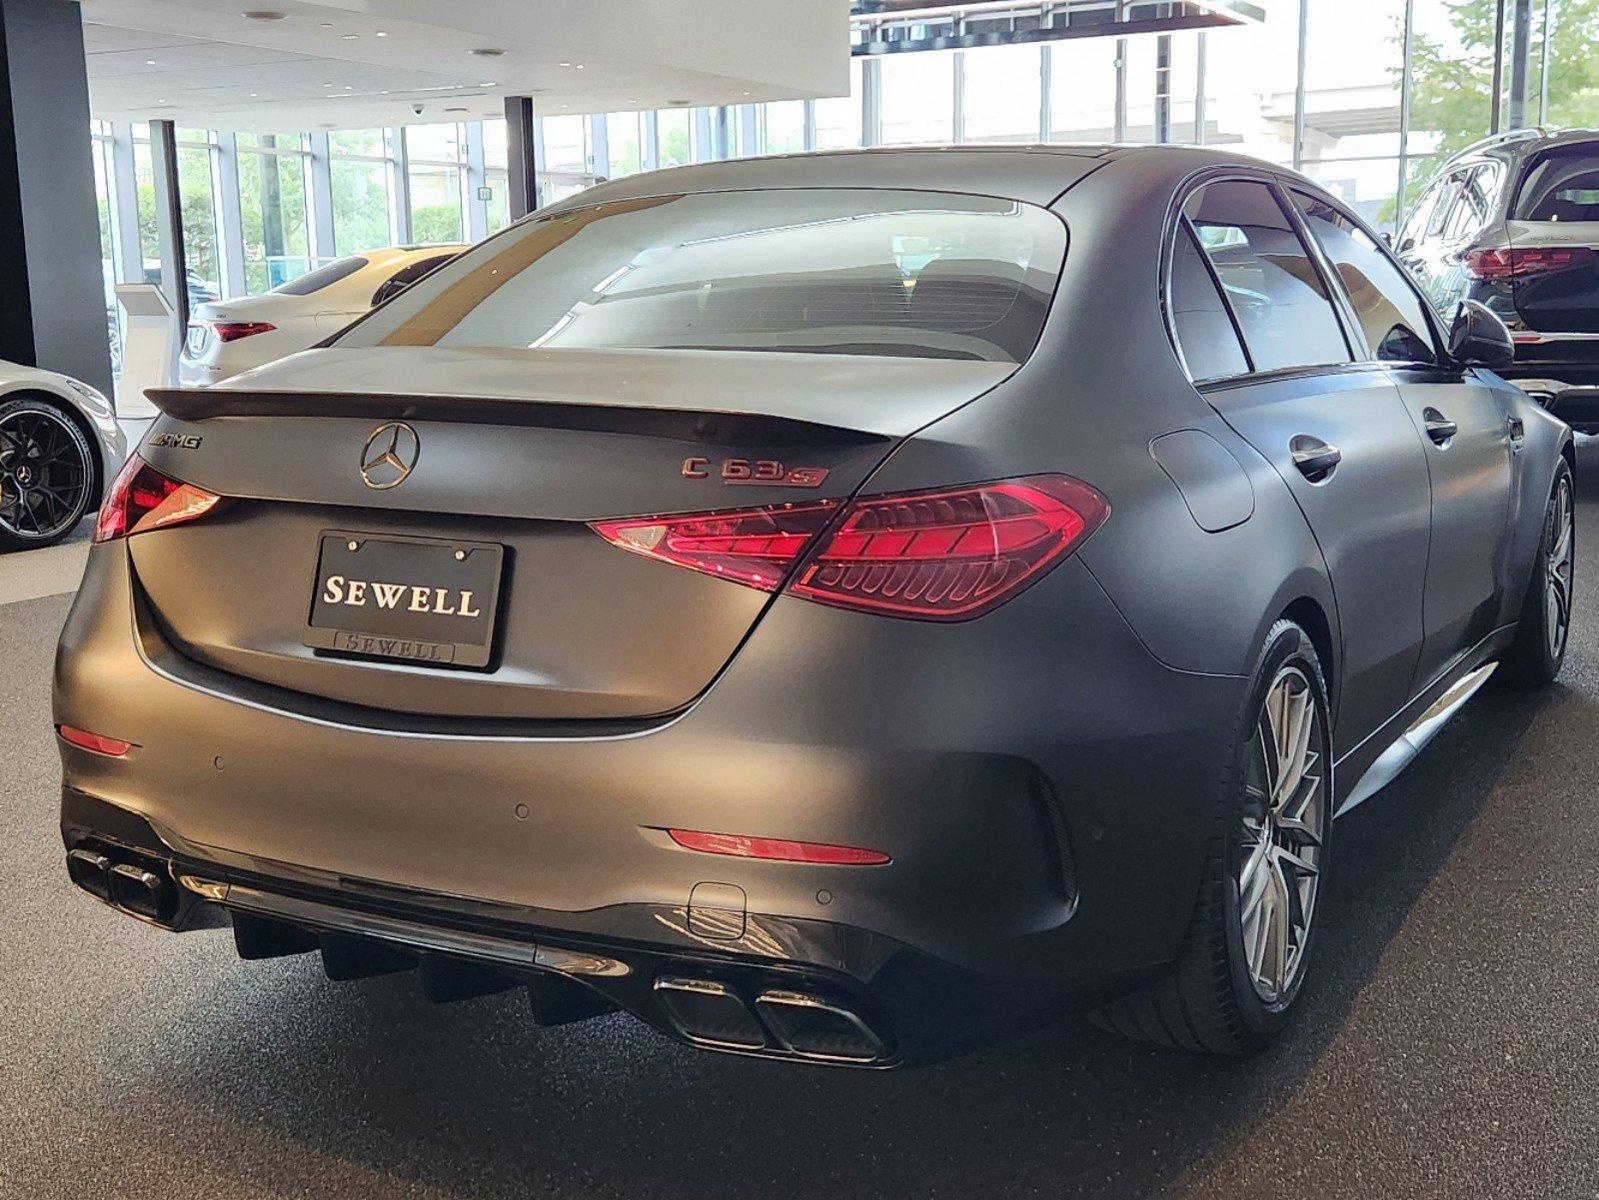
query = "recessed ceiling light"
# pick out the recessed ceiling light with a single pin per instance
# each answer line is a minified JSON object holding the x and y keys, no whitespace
{"x":746,"y":93}
{"x":488,"y":52}
{"x":566,"y":64}
{"x":349,"y":37}
{"x":487,"y":83}
{"x":149,"y":62}
{"x":579,"y":66}
{"x":327,"y":24}
{"x":383,"y":93}
{"x":349,"y":87}
{"x":380,"y":33}
{"x":264,"y":14}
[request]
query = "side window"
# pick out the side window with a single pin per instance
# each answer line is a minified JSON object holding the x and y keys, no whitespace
{"x":406,"y":276}
{"x":1416,"y":222}
{"x":1470,"y":212}
{"x":1449,"y":203}
{"x":1204,"y":330}
{"x":1387,"y":306}
{"x":1276,"y":294}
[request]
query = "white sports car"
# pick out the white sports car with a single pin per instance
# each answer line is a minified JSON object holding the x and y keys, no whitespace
{"x":229,"y":336}
{"x":59,"y":443}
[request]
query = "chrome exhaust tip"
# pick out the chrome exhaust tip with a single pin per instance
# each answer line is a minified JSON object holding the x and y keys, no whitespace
{"x":710,"y":1014}
{"x":818,"y":1029}
{"x":90,"y":870}
{"x":142,"y":892}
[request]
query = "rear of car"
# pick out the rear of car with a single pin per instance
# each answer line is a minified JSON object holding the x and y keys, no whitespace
{"x":629,"y":610}
{"x":226,"y":337}
{"x":1517,"y":228}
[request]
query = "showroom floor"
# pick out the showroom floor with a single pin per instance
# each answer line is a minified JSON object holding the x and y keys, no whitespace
{"x":1448,"y":1048}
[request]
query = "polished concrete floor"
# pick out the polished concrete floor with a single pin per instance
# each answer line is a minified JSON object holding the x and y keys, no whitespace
{"x":1448,"y":1046}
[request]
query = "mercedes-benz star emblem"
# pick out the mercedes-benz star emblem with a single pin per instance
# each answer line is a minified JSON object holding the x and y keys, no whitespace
{"x":389,"y":456}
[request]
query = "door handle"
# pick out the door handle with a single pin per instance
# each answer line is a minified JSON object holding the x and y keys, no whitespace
{"x":1315,"y":459}
{"x":1518,"y":430}
{"x":1439,"y":427}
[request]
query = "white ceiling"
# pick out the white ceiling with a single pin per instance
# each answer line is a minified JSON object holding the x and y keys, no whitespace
{"x":354,"y":64}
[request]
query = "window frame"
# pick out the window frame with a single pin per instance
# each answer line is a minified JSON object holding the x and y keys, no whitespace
{"x":1277,"y":184}
{"x":1366,"y":354}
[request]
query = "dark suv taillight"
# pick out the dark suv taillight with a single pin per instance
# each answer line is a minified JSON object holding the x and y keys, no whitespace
{"x":142,"y":498}
{"x":1530,"y":260}
{"x":945,"y":554}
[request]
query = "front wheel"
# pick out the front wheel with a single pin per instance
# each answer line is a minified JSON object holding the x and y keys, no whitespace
{"x":1245,"y":957}
{"x":1539,"y":649}
{"x":47,"y":474}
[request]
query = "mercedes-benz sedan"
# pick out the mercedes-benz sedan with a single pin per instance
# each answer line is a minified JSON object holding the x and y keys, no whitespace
{"x":831,"y":607}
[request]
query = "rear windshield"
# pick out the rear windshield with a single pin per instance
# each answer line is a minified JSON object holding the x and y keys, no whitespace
{"x":315,"y":281}
{"x":1563,"y":185}
{"x":910,"y":274}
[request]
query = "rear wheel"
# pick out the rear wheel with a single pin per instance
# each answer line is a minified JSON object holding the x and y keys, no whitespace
{"x":1248,"y":947}
{"x":47,"y":474}
{"x":1535,"y":657}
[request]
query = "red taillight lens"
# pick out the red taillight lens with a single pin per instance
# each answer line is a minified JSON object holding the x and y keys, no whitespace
{"x":1507,"y":264}
{"x":232,"y":331}
{"x":98,"y":742}
{"x":779,"y":849}
{"x":755,"y":546}
{"x":141,"y":499}
{"x":943,"y":555}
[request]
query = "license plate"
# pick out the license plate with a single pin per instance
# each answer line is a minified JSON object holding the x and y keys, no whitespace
{"x":423,"y":600}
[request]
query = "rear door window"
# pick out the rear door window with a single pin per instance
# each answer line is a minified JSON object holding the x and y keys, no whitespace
{"x":1389,"y":309}
{"x":1272,"y":285}
{"x":1204,"y":331}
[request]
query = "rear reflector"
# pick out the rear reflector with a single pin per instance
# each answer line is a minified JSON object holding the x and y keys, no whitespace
{"x":947,"y":554}
{"x":778,"y":849}
{"x":98,"y":742}
{"x":142,"y":498}
{"x":1513,"y":263}
{"x":232,"y":331}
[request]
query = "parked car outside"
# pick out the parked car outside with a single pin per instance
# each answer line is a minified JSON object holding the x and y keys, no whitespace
{"x":1513,"y":222}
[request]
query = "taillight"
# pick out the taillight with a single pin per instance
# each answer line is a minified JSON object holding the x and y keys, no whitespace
{"x":947,"y":554}
{"x":1511,"y":263}
{"x":232,"y":331}
{"x":142,"y":498}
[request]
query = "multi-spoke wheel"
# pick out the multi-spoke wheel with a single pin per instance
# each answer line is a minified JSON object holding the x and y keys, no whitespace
{"x":1245,"y":957}
{"x":1279,"y":852}
{"x":47,"y":473}
{"x":1534,"y":658}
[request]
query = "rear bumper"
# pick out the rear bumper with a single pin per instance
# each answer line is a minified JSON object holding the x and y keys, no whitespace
{"x":1045,"y":813}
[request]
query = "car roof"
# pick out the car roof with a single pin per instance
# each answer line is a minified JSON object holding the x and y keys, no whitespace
{"x":1037,"y":174}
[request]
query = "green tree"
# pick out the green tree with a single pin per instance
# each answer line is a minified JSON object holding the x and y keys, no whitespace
{"x":436,"y":223}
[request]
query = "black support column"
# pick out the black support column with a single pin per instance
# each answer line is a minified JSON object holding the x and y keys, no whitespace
{"x":520,"y":148}
{"x":52,"y":297}
{"x":169,"y":216}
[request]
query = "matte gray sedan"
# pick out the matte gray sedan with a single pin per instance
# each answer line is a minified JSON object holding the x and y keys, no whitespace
{"x":832,"y":607}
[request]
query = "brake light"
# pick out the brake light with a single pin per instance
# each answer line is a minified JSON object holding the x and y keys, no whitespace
{"x":109,"y":746}
{"x":142,"y":498}
{"x":942,"y":555}
{"x":232,"y":331}
{"x":1512,"y":263}
{"x":755,"y":546}
{"x":777,"y":849}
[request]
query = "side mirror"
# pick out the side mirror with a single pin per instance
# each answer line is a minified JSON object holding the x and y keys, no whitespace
{"x":1477,"y":338}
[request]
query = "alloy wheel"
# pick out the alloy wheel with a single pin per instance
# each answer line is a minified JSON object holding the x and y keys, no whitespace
{"x":44,"y":475}
{"x":1285,"y":814}
{"x":1558,"y":569}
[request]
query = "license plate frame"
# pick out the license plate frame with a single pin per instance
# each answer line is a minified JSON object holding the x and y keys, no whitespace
{"x":416,"y":615}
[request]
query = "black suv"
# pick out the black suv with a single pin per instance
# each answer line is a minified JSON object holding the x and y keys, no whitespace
{"x":1513,"y":221}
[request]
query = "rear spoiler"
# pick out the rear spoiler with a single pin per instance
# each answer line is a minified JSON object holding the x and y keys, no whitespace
{"x":678,"y":424}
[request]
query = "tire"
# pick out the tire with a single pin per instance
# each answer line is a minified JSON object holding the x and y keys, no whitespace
{"x":1544,"y":628}
{"x":47,"y":473}
{"x":1213,"y":1000}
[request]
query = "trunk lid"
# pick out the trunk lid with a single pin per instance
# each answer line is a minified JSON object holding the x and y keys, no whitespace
{"x":514,"y":450}
{"x":1562,"y":297}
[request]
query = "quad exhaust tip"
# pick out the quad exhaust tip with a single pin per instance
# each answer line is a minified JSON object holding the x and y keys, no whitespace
{"x":808,"y":1026}
{"x":131,"y":886}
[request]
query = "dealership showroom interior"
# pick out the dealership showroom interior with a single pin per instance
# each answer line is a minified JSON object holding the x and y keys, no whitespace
{"x":829,"y":598}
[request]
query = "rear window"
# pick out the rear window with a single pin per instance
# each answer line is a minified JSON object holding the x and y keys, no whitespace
{"x":907,"y":274}
{"x":1563,"y":185}
{"x":315,"y":281}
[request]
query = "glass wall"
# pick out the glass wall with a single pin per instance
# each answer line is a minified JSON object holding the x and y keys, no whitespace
{"x":273,"y":216}
{"x":361,"y":170}
{"x":434,"y":178}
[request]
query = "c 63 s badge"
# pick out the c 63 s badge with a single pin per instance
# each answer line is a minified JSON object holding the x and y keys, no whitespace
{"x":765,"y":472}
